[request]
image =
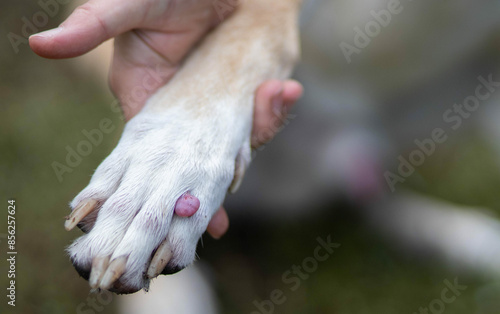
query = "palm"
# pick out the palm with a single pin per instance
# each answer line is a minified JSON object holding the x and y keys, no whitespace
{"x":147,"y":57}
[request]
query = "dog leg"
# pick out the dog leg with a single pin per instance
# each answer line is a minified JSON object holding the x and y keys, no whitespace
{"x":191,"y":139}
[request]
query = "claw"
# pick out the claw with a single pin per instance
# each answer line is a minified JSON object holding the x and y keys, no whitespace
{"x":83,"y":209}
{"x":99,"y":265}
{"x":115,"y":270}
{"x":240,"y":166}
{"x":160,"y":260}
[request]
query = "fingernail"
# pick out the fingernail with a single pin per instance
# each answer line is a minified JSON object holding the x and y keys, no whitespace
{"x":49,"y":33}
{"x":277,"y":103}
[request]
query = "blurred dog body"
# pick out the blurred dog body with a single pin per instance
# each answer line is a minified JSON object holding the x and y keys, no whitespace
{"x":358,"y":116}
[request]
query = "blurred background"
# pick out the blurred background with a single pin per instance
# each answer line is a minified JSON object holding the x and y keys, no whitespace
{"x":379,"y":76}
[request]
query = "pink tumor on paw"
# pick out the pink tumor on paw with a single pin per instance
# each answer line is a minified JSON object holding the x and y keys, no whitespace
{"x":187,"y":205}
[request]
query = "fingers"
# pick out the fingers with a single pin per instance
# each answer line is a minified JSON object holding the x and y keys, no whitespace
{"x":273,"y":100}
{"x":219,"y":224}
{"x":292,"y":91}
{"x":87,"y":27}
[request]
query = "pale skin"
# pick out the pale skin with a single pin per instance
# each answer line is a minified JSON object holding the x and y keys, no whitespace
{"x":152,"y":33}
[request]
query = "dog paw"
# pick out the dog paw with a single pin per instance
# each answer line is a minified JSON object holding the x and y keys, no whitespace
{"x":150,"y":201}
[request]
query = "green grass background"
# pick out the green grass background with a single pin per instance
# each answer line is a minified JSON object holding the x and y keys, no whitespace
{"x":44,"y":106}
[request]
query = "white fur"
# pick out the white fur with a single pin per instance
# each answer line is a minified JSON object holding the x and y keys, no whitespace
{"x":159,"y":158}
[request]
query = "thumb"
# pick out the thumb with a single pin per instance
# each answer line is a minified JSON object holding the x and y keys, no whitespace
{"x":88,"y":26}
